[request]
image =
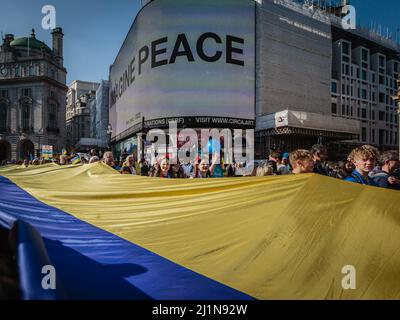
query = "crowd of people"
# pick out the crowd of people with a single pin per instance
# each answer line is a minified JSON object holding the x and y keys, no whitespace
{"x":364,"y":165}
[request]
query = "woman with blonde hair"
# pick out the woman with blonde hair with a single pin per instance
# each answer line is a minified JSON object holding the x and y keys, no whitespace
{"x":130,"y":163}
{"x":264,"y":170}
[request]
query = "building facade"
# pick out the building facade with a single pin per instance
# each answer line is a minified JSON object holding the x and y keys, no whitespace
{"x":315,"y":81}
{"x":364,"y":74}
{"x":32,"y":96}
{"x":100,"y":113}
{"x":320,"y":83}
{"x":80,"y":97}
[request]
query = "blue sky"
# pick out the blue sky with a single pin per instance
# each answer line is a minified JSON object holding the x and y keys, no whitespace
{"x":382,"y":12}
{"x":94,"y":30}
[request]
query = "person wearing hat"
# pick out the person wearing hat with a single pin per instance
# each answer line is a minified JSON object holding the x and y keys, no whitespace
{"x":283,"y":166}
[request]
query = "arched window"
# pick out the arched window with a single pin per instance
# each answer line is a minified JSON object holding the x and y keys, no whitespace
{"x":52,"y":116}
{"x":3,"y":116}
{"x":25,"y":115}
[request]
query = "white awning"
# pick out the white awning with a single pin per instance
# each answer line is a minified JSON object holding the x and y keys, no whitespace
{"x":307,"y":120}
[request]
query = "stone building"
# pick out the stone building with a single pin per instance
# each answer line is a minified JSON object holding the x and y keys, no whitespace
{"x":81,"y":95}
{"x":32,"y":96}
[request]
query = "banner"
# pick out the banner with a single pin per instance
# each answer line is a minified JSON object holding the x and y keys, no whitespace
{"x":280,"y":237}
{"x":47,"y":152}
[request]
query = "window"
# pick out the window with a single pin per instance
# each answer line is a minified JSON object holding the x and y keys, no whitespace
{"x":334,"y":87}
{"x":17,"y":72}
{"x":363,"y":113}
{"x":27,"y":92}
{"x":345,"y":48}
{"x":364,"y":134}
{"x":382,"y":98}
{"x":364,"y":54}
{"x":3,"y":116}
{"x":373,"y":135}
{"x":25,"y":116}
{"x":373,"y":78}
{"x":381,"y":80}
{"x":364,"y":93}
{"x":346,"y":69}
{"x":381,"y":115}
{"x":52,"y":116}
{"x":364,"y":75}
{"x":31,"y":71}
{"x":334,"y":108}
{"x":381,"y":61}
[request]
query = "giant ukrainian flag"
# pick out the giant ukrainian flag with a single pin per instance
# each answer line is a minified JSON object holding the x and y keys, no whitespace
{"x":113,"y":236}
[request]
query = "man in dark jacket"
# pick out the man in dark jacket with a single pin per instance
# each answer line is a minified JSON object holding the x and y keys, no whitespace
{"x":385,"y":177}
{"x":320,"y":155}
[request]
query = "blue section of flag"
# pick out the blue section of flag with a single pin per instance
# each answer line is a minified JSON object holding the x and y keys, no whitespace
{"x":95,"y":264}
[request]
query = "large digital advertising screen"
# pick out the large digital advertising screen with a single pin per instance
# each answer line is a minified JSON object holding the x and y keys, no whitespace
{"x":186,"y":60}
